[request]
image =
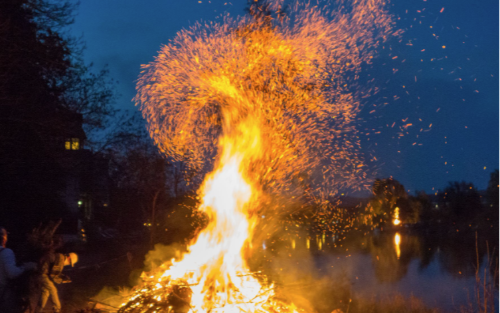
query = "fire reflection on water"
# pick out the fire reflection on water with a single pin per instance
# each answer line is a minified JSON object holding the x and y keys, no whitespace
{"x":319,"y":242}
{"x":397,"y":241}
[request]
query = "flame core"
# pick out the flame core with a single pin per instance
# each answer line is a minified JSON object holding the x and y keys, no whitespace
{"x":265,"y":100}
{"x":214,"y":269}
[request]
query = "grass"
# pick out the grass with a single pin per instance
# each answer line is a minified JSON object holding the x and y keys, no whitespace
{"x":485,"y":292}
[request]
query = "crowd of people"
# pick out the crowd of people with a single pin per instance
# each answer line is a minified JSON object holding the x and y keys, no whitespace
{"x":46,"y":273}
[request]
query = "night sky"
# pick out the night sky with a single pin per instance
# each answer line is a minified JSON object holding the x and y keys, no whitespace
{"x":445,"y":84}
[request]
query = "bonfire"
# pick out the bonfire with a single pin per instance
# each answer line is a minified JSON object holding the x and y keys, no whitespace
{"x":266,"y":102}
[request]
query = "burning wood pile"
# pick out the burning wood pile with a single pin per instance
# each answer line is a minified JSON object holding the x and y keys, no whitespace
{"x":270,"y":96}
{"x":176,"y":298}
{"x":170,"y":298}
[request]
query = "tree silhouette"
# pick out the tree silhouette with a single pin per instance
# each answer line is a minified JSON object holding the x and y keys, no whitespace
{"x":426,"y":213}
{"x":491,"y":210}
{"x":46,"y":93}
{"x":387,"y":195}
{"x":492,"y":195}
{"x":264,"y":10}
{"x":460,"y":201}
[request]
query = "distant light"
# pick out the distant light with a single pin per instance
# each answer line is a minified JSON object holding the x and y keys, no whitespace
{"x":80,"y":202}
{"x":396,"y":220}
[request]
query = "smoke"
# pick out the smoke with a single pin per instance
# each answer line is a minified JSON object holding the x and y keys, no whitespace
{"x":162,"y":255}
{"x":316,"y":281}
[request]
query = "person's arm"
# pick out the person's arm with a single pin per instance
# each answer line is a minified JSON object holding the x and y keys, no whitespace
{"x":9,"y":260}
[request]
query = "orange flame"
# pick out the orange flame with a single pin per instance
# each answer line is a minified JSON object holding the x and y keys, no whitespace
{"x":216,"y":254}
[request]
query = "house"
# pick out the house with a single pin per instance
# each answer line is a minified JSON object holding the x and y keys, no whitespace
{"x":46,"y":172}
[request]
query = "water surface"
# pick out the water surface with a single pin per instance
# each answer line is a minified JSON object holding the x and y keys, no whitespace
{"x":438,"y":267}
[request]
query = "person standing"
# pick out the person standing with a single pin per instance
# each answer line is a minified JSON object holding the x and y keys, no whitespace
{"x":8,"y":272}
{"x":52,"y":274}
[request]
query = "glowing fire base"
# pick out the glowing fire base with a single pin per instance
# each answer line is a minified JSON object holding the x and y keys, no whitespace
{"x":213,"y":276}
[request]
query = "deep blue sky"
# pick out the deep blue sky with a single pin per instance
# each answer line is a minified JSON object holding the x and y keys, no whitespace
{"x":455,"y":88}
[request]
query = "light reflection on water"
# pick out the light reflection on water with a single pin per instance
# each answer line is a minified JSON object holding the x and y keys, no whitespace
{"x":397,"y":241}
{"x":437,"y":269}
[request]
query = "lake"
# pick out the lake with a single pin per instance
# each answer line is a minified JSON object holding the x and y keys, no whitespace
{"x":438,"y":267}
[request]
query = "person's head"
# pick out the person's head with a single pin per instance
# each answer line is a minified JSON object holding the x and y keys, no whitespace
{"x":71,"y":259}
{"x":3,"y":236}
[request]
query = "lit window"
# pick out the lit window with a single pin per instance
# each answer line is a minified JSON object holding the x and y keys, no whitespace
{"x":72,"y":144}
{"x":75,"y":144}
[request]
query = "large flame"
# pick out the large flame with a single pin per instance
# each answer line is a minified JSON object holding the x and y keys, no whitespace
{"x":268,"y":98}
{"x":219,"y":270}
{"x":214,"y":270}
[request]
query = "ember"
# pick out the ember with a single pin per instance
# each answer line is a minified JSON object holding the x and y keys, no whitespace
{"x":269,"y":96}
